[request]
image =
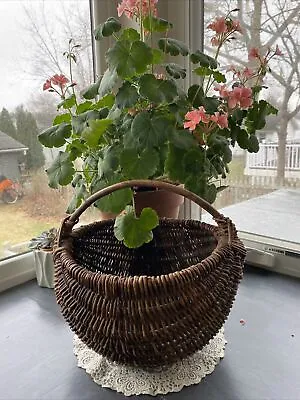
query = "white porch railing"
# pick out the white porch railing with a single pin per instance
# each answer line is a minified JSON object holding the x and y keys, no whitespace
{"x":267,"y":157}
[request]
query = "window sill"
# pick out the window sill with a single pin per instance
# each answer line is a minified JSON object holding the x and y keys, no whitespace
{"x":16,"y":270}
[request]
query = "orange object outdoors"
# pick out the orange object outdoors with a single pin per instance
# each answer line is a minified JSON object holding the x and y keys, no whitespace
{"x":5,"y":184}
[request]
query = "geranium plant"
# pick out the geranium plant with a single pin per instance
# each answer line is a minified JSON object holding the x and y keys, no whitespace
{"x":138,"y":122}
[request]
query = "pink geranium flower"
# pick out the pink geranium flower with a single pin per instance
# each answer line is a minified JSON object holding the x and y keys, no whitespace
{"x":240,"y":97}
{"x":215,"y":41}
{"x":195,"y":117}
{"x":59,"y":80}
{"x":278,"y":52}
{"x":134,"y":8}
{"x":253,"y":53}
{"x":47,"y":84}
{"x":236,"y":26}
{"x":223,"y":90}
{"x":219,"y":25}
{"x":220,"y":119}
{"x":248,"y":72}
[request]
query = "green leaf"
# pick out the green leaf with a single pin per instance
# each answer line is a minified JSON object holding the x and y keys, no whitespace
{"x":217,"y":142}
{"x":196,"y":95}
{"x":197,"y":98}
{"x":109,"y":162}
{"x":147,"y":132}
{"x":108,"y":81}
{"x":227,"y":154}
{"x":91,"y":91}
{"x":211,"y":104}
{"x":204,"y":60}
{"x":56,"y":135}
{"x":175,"y":70}
{"x":68,"y":103}
{"x":178,"y":109}
{"x":116,"y":201}
{"x":157,"y":56}
{"x":205,"y":71}
{"x":61,"y":171}
{"x":140,"y":165}
{"x":75,"y":149}
{"x":242,"y":139}
{"x":130,"y":34}
{"x":133,"y":231}
{"x":155,"y":24}
{"x":89,"y":167}
{"x":114,"y":113}
{"x":238,"y":116}
{"x":256,"y":116}
{"x":106,"y":29}
{"x":157,"y":90}
{"x":129,"y":58}
{"x":93,"y":133}
{"x":202,"y":188}
{"x":253,"y":144}
{"x":173,"y":47}
{"x":127,"y":96}
{"x":182,"y":139}
{"x":81,"y":108}
{"x":81,"y":122}
{"x":210,"y":193}
{"x":106,"y":101}
{"x":194,"y":161}
{"x":174,"y":167}
{"x":80,"y":193}
{"x":221,"y":188}
{"x":62,"y":118}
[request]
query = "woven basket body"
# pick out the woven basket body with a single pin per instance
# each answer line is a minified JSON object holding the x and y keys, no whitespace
{"x":153,"y":305}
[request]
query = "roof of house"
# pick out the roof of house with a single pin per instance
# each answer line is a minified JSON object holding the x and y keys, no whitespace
{"x":8,"y":144}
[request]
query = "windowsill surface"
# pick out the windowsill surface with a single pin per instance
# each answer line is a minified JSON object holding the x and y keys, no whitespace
{"x":261,"y":358}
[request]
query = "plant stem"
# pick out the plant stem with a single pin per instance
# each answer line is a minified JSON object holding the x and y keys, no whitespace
{"x":151,"y":35}
{"x":209,"y":83}
{"x":141,"y":22}
{"x":71,"y":73}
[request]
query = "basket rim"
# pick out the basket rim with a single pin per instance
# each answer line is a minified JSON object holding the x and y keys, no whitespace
{"x":186,"y":273}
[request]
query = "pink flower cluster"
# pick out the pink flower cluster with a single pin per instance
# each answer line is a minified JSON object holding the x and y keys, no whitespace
{"x":240,"y":96}
{"x":224,"y":28}
{"x":254,"y":54}
{"x":137,"y":8}
{"x":56,"y":80}
{"x":193,"y":118}
{"x":243,"y":74}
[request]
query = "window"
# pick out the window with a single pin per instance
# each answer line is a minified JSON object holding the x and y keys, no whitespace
{"x":33,"y":37}
{"x":276,"y":165}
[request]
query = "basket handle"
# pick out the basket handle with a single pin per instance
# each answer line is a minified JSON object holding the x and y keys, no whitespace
{"x":150,"y":184}
{"x":70,"y":221}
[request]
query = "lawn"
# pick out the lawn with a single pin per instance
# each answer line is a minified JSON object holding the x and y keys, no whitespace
{"x":17,"y":226}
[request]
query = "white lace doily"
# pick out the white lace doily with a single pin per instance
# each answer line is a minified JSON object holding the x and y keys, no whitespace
{"x":135,"y":381}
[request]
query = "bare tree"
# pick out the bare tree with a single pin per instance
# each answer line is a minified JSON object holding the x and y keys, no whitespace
{"x":43,"y":107}
{"x":265,"y":24}
{"x":51,"y":30}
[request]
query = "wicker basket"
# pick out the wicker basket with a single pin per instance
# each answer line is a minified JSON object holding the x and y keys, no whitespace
{"x":153,"y":305}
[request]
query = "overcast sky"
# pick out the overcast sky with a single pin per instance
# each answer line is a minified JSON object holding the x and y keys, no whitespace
{"x":18,"y":82}
{"x":13,"y":89}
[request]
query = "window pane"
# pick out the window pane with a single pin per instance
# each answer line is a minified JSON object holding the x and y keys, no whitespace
{"x":265,"y":25}
{"x":33,"y":37}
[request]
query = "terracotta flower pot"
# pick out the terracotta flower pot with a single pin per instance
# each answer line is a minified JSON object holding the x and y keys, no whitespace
{"x":166,"y":204}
